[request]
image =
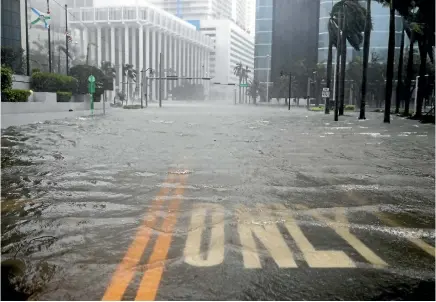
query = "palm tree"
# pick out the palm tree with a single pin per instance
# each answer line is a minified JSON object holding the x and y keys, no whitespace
{"x":366,"y":43}
{"x":329,"y":74}
{"x":400,"y":72}
{"x":390,"y":65}
{"x":238,"y":71}
{"x":245,"y":73}
{"x":130,"y":73}
{"x":353,"y":24}
{"x":253,"y":90}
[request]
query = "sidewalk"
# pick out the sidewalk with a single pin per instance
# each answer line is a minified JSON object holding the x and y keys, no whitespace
{"x":19,"y":119}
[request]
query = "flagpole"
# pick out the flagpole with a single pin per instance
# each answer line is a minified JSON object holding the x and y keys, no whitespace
{"x":49,"y":39}
{"x":27,"y":40}
{"x":66,"y":34}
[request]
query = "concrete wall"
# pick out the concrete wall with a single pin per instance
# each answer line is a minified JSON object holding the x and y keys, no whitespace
{"x":44,"y":102}
{"x":20,"y":82}
{"x":42,"y":106}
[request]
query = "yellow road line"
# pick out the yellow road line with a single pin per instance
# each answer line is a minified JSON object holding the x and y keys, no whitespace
{"x":418,"y":242}
{"x":126,"y":269}
{"x":152,"y":276}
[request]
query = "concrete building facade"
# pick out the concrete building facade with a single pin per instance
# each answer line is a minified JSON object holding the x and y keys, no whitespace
{"x":232,"y":45}
{"x":263,"y":40}
{"x":136,"y":33}
{"x":196,"y":9}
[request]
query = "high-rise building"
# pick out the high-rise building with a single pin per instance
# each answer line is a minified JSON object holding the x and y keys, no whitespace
{"x":232,"y":46}
{"x":196,"y":9}
{"x":250,"y":18}
{"x":263,"y":40}
{"x":294,"y":36}
{"x":12,"y":24}
{"x":379,"y":34}
{"x":239,"y":13}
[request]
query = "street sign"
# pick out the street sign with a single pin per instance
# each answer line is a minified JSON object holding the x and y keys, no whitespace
{"x":91,"y":84}
{"x":243,"y":85}
{"x":326,"y":92}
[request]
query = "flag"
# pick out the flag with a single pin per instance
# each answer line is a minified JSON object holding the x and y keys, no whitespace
{"x":39,"y":17}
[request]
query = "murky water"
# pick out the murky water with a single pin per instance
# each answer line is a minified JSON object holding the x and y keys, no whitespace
{"x":75,"y":191}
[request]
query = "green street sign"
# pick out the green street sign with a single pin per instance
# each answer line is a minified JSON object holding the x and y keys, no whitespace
{"x":91,"y":84}
{"x":243,"y":85}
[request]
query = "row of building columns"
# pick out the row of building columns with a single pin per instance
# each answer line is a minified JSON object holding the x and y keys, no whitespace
{"x":140,"y":46}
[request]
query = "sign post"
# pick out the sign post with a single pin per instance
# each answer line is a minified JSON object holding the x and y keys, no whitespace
{"x":91,"y":90}
{"x":326,"y":95}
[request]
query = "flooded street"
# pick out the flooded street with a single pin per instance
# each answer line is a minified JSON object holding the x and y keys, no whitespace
{"x":198,"y":201}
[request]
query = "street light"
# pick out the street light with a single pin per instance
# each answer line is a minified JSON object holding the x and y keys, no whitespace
{"x":267,"y":77}
{"x":142,"y":85}
{"x":290,"y":85}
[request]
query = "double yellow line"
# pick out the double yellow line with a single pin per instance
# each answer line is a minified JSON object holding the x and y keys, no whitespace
{"x":126,"y":270}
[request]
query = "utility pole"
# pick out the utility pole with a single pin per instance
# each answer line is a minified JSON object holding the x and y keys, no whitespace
{"x":27,"y":41}
{"x":49,"y":39}
{"x":308,"y":93}
{"x":66,"y":37}
{"x":338,"y":56}
{"x":290,"y":83}
{"x":160,"y":79}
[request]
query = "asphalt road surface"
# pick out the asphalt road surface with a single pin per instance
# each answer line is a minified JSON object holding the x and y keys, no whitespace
{"x":210,"y":201}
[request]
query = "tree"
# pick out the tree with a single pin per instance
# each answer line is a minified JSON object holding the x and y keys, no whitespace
{"x":82,"y":72}
{"x":354,"y":20}
{"x":39,"y":55}
{"x":400,"y":72}
{"x":109,"y":72}
{"x":130,"y":73}
{"x":390,"y":65}
{"x":366,"y":44}
{"x":13,"y":58}
{"x":245,"y":73}
{"x":253,"y":90}
{"x":238,"y":71}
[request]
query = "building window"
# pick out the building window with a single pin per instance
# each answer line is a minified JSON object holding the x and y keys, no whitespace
{"x":263,"y":25}
{"x":264,"y":12}
{"x":262,"y":50}
{"x":263,"y":38}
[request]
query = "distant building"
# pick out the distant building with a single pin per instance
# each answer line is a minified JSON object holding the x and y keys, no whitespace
{"x":263,"y":40}
{"x":13,"y":24}
{"x":250,"y":18}
{"x":196,"y":9}
{"x":136,"y":34}
{"x":294,"y":35}
{"x":232,"y":45}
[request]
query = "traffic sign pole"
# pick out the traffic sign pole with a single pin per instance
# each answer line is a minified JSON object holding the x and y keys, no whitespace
{"x":91,"y":90}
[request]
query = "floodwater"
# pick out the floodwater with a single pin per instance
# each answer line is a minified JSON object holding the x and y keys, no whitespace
{"x":197,"y":201}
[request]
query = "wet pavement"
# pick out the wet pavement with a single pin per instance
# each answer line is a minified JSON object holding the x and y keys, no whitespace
{"x":211,"y":201}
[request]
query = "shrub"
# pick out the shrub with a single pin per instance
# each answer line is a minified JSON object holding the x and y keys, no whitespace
{"x":35,"y":70}
{"x":63,"y":96}
{"x":132,"y":107}
{"x":15,"y":95}
{"x":6,"y":78}
{"x":350,"y":107}
{"x":52,"y":82}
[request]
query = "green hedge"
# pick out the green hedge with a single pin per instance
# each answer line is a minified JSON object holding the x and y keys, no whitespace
{"x":52,"y":82}
{"x":350,"y":107}
{"x":15,"y":95}
{"x":6,"y":78}
{"x":63,"y":96}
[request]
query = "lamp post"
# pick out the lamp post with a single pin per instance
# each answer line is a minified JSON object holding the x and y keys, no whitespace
{"x":267,"y":77}
{"x":144,"y":80}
